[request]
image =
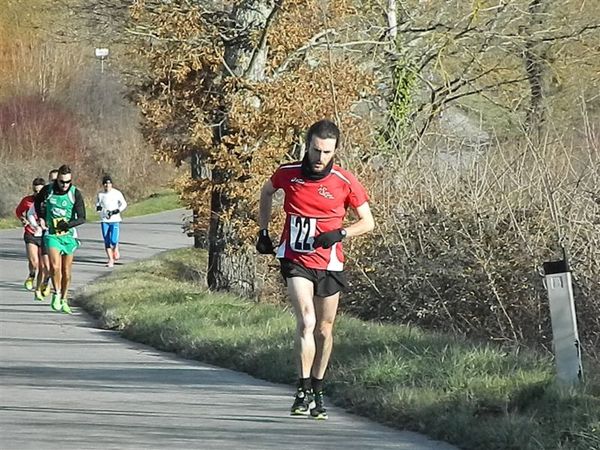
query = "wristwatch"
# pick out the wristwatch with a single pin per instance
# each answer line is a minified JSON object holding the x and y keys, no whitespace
{"x":343,"y":232}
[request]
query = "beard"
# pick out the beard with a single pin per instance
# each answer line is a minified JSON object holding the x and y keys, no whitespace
{"x":310,"y":172}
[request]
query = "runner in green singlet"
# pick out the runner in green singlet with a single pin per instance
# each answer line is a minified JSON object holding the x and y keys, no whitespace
{"x":61,"y":208}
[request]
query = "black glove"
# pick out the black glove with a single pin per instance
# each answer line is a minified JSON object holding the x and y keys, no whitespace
{"x":98,"y":208}
{"x":264,"y":245}
{"x":111,"y":213}
{"x":329,"y":238}
{"x":62,"y":226}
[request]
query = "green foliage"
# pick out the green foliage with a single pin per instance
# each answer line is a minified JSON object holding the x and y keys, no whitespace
{"x":398,"y":126}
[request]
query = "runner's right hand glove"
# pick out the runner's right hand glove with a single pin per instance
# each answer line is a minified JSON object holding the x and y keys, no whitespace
{"x":61,"y":225}
{"x":327,"y":239}
{"x":264,"y":245}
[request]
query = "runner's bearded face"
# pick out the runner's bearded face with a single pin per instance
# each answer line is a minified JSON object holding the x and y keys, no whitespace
{"x":320,"y":153}
{"x":64,"y":182}
{"x":107,"y":186}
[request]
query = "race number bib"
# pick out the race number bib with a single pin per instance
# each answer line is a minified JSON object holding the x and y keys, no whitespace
{"x":54,"y":222}
{"x":302,"y":233}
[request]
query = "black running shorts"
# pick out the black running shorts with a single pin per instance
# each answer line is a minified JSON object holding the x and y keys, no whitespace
{"x":31,"y":239}
{"x":326,"y":282}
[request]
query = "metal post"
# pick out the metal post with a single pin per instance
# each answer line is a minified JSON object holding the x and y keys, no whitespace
{"x":101,"y":54}
{"x":565,"y":337}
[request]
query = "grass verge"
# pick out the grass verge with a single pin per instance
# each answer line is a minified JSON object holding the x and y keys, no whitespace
{"x":161,"y":201}
{"x":473,"y":395}
{"x":155,"y":203}
{"x":9,"y":222}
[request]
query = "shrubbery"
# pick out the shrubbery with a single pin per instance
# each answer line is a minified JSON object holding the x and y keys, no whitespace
{"x":56,"y":107}
{"x":460,"y":248}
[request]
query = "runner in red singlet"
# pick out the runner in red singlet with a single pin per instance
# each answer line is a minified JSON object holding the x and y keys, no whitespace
{"x":317,"y":196}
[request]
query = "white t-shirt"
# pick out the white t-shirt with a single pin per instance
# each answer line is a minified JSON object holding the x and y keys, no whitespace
{"x":109,"y":201}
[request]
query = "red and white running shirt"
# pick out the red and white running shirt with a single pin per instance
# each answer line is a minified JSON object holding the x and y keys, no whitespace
{"x":21,"y":210}
{"x":313,"y":207}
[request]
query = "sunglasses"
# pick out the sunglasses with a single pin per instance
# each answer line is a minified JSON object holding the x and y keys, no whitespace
{"x":64,"y":181}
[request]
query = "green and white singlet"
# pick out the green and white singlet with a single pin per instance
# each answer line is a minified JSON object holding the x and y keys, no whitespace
{"x":60,"y":207}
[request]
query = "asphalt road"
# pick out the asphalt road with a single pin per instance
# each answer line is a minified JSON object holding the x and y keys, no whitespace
{"x":66,"y":384}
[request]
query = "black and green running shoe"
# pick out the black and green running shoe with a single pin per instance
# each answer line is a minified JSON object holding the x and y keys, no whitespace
{"x":318,"y":411}
{"x":302,"y":403}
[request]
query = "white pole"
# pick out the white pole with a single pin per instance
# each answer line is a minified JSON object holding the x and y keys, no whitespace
{"x":565,"y":336}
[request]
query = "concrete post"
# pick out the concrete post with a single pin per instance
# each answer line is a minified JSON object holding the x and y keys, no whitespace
{"x":565,"y":337}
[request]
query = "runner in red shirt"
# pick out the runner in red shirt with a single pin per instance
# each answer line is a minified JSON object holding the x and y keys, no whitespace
{"x":32,"y":235}
{"x":317,"y":195}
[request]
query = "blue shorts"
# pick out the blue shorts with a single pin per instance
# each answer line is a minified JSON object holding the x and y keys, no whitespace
{"x":110,"y":233}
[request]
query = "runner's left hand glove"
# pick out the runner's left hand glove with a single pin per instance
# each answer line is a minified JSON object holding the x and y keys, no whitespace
{"x":329,"y":238}
{"x":109,"y":214}
{"x":264,"y":245}
{"x":62,"y":226}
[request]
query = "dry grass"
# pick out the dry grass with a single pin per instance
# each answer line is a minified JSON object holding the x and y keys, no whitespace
{"x":465,"y":239}
{"x":57,"y":108}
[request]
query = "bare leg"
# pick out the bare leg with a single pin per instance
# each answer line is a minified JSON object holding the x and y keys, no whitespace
{"x":46,"y":267}
{"x":67,"y":264}
{"x":32,"y":258}
{"x":300,"y":291}
{"x":325,"y":309}
{"x":55,"y":268}
{"x":41,"y":272}
{"x":110,"y":254}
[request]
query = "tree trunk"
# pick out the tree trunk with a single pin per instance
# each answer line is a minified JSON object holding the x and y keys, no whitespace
{"x":534,"y":66}
{"x":199,"y":171}
{"x":232,"y":266}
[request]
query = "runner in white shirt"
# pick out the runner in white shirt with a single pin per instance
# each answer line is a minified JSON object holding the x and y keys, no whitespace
{"x":110,"y":203}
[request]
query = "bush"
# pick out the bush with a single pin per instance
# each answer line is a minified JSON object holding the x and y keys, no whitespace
{"x":57,"y":108}
{"x":460,"y":248}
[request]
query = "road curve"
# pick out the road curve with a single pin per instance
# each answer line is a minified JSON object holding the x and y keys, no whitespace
{"x":65,"y":384}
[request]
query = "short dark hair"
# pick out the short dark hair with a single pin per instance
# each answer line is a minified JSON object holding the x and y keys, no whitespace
{"x":52,"y":171}
{"x":106,"y":179}
{"x":38,"y":181}
{"x":64,"y":170}
{"x":323,"y":129}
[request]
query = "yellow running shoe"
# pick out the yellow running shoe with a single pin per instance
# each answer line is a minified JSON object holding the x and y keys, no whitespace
{"x":29,"y":283}
{"x":38,"y":296}
{"x":45,"y":288}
